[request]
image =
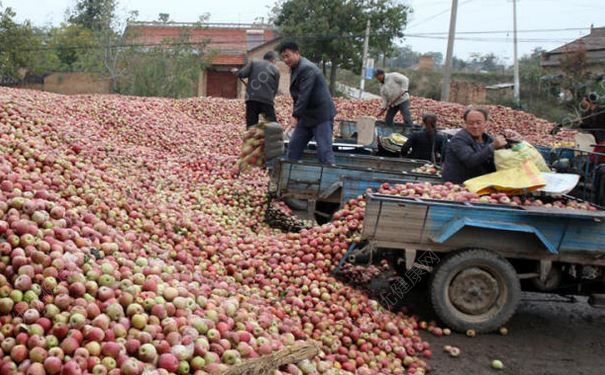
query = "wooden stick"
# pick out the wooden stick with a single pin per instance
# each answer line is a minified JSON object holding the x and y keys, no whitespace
{"x":267,"y":364}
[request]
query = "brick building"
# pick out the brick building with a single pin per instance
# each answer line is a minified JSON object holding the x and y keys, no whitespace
{"x":228,"y":46}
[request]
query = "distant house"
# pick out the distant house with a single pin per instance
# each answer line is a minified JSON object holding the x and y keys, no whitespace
{"x":593,"y":44}
{"x":229,"y":45}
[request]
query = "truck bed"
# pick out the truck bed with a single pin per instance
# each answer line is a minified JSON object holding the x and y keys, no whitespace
{"x":310,"y":180}
{"x":526,"y":232}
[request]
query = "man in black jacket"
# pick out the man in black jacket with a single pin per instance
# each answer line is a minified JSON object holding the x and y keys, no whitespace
{"x":313,"y":111}
{"x":263,"y":83}
{"x":470,"y":153}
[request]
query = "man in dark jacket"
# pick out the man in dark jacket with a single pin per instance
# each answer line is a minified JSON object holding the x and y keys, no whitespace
{"x":263,"y":82}
{"x":313,"y":111}
{"x":470,"y":153}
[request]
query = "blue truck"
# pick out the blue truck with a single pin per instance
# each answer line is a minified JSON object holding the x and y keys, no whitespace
{"x":479,"y":257}
{"x":320,"y":189}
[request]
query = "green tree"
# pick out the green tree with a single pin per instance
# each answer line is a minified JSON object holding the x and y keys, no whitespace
{"x":403,"y":57}
{"x":388,"y":19}
{"x":168,"y":70}
{"x":71,"y":44}
{"x":333,"y":30}
{"x":488,"y":62}
{"x":104,"y":55}
{"x":459,"y":64}
{"x":22,"y":48}
{"x":164,"y":17}
{"x":95,"y":15}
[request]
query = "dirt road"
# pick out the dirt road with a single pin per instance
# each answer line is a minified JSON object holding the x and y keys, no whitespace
{"x":548,"y":336}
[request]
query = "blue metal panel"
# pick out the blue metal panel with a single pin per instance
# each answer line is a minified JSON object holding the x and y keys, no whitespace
{"x":455,"y":226}
{"x":313,"y":178}
{"x":564,"y":231}
{"x":353,"y":187}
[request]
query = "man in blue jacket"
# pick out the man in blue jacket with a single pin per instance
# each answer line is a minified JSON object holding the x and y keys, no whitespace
{"x":314,"y":110}
{"x":470,"y":153}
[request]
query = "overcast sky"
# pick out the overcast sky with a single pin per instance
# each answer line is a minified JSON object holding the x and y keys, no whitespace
{"x":427,"y":29}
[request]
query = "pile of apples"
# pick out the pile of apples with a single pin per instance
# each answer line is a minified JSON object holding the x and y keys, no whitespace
{"x":458,"y":193}
{"x":533,"y":129}
{"x":427,"y":169}
{"x":128,"y":245}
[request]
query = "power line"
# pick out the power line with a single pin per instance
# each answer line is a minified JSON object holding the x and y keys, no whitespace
{"x":478,"y":39}
{"x":509,"y":31}
{"x":430,"y":18}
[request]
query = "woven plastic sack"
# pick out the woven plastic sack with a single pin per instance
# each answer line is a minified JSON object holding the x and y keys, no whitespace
{"x":518,"y":155}
{"x":514,"y":181}
{"x":393,"y":142}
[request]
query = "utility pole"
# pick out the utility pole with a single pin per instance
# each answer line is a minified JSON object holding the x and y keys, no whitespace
{"x":447,"y":75}
{"x":364,"y":61}
{"x":515,"y":57}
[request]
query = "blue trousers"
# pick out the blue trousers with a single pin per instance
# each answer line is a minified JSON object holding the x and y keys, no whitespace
{"x":302,"y":135}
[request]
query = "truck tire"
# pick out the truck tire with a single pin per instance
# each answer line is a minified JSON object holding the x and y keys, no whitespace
{"x":475,"y":289}
{"x":296,"y":204}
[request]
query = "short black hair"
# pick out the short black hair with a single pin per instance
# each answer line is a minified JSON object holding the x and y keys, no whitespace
{"x":378,"y":72}
{"x":476,"y":109}
{"x":288,"y":44}
{"x":270,"y":56}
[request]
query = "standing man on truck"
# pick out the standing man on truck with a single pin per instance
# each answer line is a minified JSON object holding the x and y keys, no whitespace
{"x":395,"y":97}
{"x":314,"y":111}
{"x":263,"y":83}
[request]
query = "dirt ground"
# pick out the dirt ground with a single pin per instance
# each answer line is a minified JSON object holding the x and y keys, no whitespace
{"x":549,"y":335}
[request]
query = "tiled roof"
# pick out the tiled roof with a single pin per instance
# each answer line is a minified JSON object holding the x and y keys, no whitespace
{"x":591,"y":42}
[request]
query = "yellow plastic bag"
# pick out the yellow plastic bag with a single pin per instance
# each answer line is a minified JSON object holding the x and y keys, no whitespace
{"x":514,"y":181}
{"x":517,"y":155}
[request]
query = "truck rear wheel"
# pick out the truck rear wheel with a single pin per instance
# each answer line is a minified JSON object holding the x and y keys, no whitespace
{"x":475,"y":289}
{"x":296,"y":204}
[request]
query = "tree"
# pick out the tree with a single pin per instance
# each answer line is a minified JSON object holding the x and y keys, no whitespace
{"x":21,"y":49}
{"x":164,"y":17}
{"x":530,"y":75}
{"x":95,"y":15}
{"x":99,"y":17}
{"x":168,"y":70}
{"x":333,"y":30}
{"x":488,"y":62}
{"x":403,"y":57}
{"x":459,"y":64}
{"x":71,"y":44}
{"x":388,"y":19}
{"x":574,"y":66}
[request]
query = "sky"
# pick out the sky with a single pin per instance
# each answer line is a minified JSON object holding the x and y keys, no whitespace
{"x":427,"y":29}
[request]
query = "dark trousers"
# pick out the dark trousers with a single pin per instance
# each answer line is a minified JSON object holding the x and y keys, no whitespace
{"x":302,"y":136}
{"x":404,"y":108}
{"x":254,"y":109}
